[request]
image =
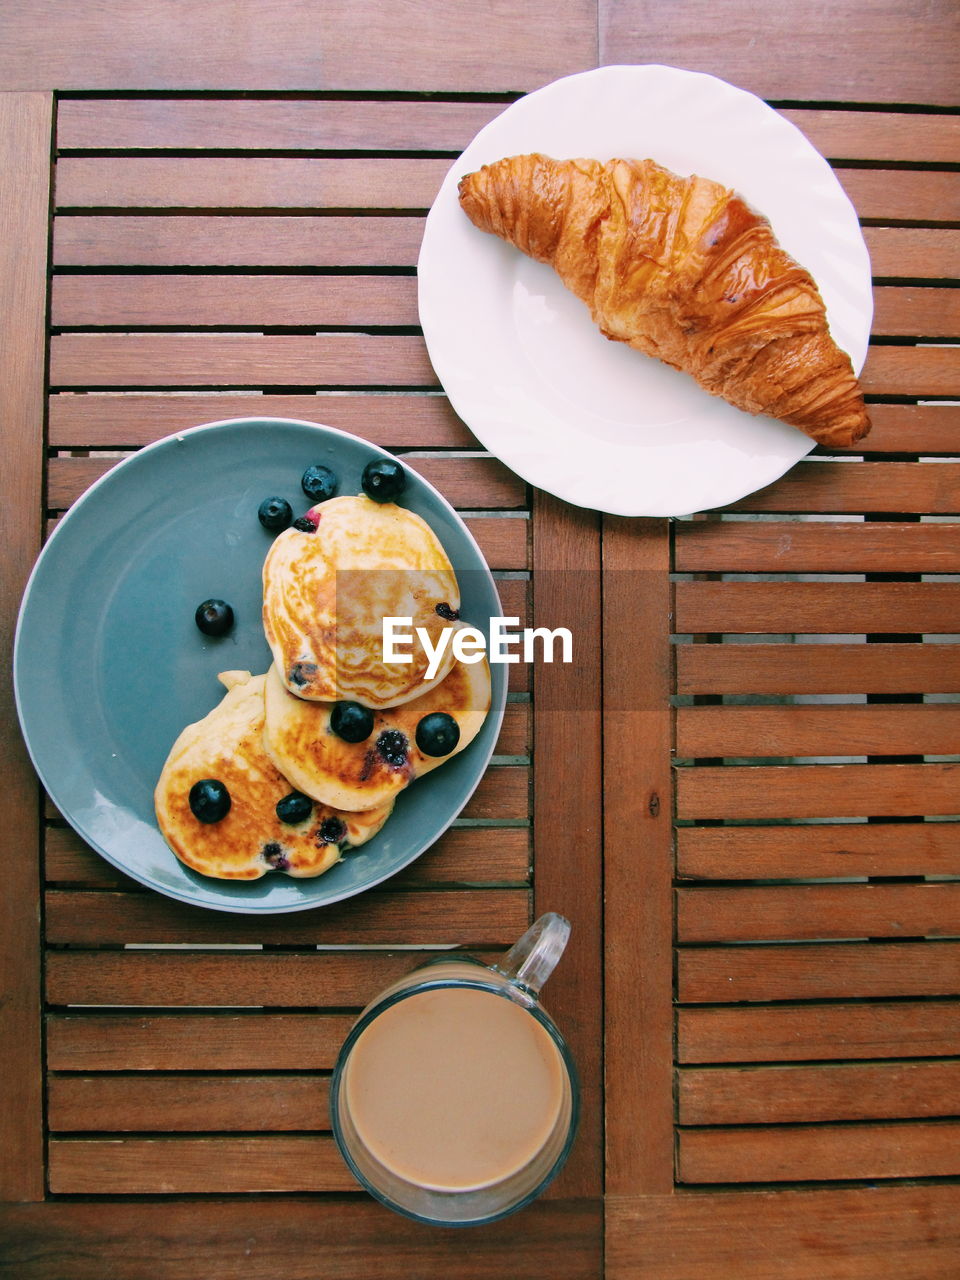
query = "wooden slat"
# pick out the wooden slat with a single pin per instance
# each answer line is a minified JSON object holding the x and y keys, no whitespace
{"x":819,"y":1153}
{"x":844,"y":487}
{"x":220,"y":1238}
{"x":913,"y":312}
{"x":818,"y":668}
{"x":804,"y":608}
{"x":195,"y":1041}
{"x":638,"y":921}
{"x":843,"y":1233}
{"x":751,"y":913}
{"x":818,"y":850}
{"x":464,"y":855}
{"x":818,"y":791}
{"x":882,"y":730}
{"x":225,"y":301}
{"x":353,"y":45}
{"x":898,"y":1029}
{"x":469,"y":482}
{"x":907,"y":195}
{"x":912,"y":371}
{"x":475,"y":917}
{"x":872,"y":135}
{"x":911,"y":428}
{"x":283,"y":124}
{"x":197,"y":241}
{"x":188,"y":1103}
{"x":906,"y":253}
{"x":810,"y":971}
{"x":752,"y":546}
{"x":238,"y":359}
{"x":389,"y":418}
{"x":113,"y":182}
{"x":792,"y":1095}
{"x":274,"y":182}
{"x":25,"y":139}
{"x":803,"y":61}
{"x":568,"y":727}
{"x":158,"y":979}
{"x":177,"y":1166}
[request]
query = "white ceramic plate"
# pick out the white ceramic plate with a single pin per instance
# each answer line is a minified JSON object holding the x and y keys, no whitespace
{"x":593,"y":421}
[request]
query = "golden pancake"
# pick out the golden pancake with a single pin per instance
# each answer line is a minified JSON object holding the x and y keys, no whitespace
{"x":326,"y":593}
{"x":363,"y":775}
{"x":250,"y":839}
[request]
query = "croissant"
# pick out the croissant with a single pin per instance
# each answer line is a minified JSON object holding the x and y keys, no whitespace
{"x":682,"y":269}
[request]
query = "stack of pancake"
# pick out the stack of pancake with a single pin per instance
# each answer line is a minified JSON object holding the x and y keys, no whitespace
{"x":326,"y":591}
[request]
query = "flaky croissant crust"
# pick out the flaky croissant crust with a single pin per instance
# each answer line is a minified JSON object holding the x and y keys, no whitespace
{"x":684,"y":270}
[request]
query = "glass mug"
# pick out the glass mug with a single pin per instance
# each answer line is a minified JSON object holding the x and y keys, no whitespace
{"x":454,"y":1098}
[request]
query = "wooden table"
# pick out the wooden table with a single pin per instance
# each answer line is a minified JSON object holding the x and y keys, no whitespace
{"x":761,"y":992}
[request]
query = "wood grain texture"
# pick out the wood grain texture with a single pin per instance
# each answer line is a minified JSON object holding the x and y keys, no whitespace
{"x":877,"y":730}
{"x":278,"y":182}
{"x":814,"y":1094}
{"x":843,"y":488}
{"x":907,"y":253}
{"x":195,"y":1041}
{"x":568,"y":804}
{"x":473,"y":483}
{"x":911,"y":428}
{"x":906,"y":312}
{"x":807,"y":53}
{"x":818,"y":1153}
{"x":818,"y":850}
{"x":837,"y":1234}
{"x":262,"y":1238}
{"x":474,"y":917}
{"x":177,"y":1166}
{"x":638,"y":855}
{"x":238,"y":359}
{"x":262,"y":182}
{"x":774,"y":546}
{"x":168,"y":979}
{"x":874,"y":135}
{"x":463,"y":856}
{"x":391,"y":419}
{"x":239,"y":241}
{"x":784,"y":1033}
{"x":228,"y":301}
{"x":818,"y":791}
{"x":158,"y":1103}
{"x":312,"y":124}
{"x":811,"y":971}
{"x":829,"y":608}
{"x":818,"y":668}
{"x":25,"y":142}
{"x":351,"y":45}
{"x":911,"y":371}
{"x":760,"y":913}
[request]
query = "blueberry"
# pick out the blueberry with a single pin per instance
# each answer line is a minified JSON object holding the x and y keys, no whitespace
{"x":392,"y":747}
{"x":274,"y":856}
{"x":331,"y":830}
{"x":305,"y":524}
{"x":351,"y":722}
{"x":319,"y":483}
{"x":437,"y":734}
{"x":444,"y":610}
{"x":294,"y":808}
{"x":275,"y":513}
{"x":214,"y":617}
{"x":383,"y":479}
{"x":209,"y":800}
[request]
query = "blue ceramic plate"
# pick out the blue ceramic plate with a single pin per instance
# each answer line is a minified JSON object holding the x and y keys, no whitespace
{"x":109,"y":665}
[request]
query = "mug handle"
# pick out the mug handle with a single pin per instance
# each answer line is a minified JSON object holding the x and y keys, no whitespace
{"x":532,"y":958}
